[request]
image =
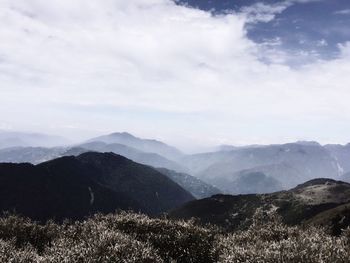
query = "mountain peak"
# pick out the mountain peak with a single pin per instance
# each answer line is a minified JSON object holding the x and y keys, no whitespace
{"x":318,"y":181}
{"x":122,"y":134}
{"x":308,"y":143}
{"x":144,"y":145}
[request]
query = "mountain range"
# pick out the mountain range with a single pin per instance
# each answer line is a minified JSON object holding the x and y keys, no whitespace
{"x":285,"y":165}
{"x":144,"y":145}
{"x":121,"y":171}
{"x":230,"y":169}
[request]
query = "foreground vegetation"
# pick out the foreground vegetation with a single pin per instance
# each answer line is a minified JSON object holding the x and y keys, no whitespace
{"x":130,"y":238}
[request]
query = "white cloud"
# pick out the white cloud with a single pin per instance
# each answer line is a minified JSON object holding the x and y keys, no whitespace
{"x":343,"y":12}
{"x":160,"y":70}
{"x":261,"y":12}
{"x":322,"y":43}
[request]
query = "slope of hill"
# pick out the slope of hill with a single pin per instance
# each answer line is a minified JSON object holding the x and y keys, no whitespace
{"x":144,"y":145}
{"x":335,"y":219}
{"x":296,"y":205}
{"x":345,"y":178}
{"x":196,"y":187}
{"x":74,"y":187}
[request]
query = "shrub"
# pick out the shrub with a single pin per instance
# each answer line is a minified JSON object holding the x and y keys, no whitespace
{"x":9,"y":253}
{"x":23,"y":231}
{"x":91,"y":241}
{"x":135,"y":238}
{"x":174,"y":240}
{"x":271,"y":241}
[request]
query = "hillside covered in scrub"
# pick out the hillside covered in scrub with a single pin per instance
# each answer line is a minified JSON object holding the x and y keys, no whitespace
{"x":136,"y":238}
{"x":319,"y":201}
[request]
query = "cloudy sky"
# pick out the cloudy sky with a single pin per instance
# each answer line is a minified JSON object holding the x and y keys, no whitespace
{"x":195,"y":72}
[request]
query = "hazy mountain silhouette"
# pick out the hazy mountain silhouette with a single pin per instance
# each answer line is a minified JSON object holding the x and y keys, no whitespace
{"x":289,"y":164}
{"x":37,"y":155}
{"x":251,"y":183}
{"x":148,"y":158}
{"x":145,"y":145}
{"x":16,"y":139}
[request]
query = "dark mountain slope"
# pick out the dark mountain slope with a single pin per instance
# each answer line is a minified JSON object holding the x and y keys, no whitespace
{"x":35,"y":192}
{"x":153,"y":190}
{"x":336,"y":219}
{"x":295,"y":205}
{"x":74,"y":187}
{"x":196,"y":187}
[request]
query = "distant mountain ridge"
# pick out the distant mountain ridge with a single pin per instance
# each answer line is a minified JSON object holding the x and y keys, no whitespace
{"x":21,"y":139}
{"x":289,"y":164}
{"x":74,"y":187}
{"x":145,"y":145}
{"x":148,"y":158}
{"x":229,"y":168}
{"x":37,"y":155}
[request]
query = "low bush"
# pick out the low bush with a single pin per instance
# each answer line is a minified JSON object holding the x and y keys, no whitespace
{"x":269,"y":240}
{"x":91,"y":241}
{"x":135,"y":238}
{"x":23,"y":232}
{"x":182,"y":241}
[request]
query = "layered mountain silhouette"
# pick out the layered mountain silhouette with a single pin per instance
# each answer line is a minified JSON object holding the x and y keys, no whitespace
{"x":75,"y":187}
{"x":308,"y":202}
{"x":37,"y":155}
{"x":148,"y":158}
{"x":144,"y":145}
{"x":231,"y":169}
{"x":288,"y":164}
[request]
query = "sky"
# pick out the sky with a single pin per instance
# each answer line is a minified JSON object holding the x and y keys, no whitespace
{"x":191,"y":73}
